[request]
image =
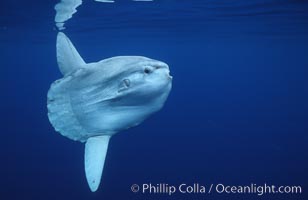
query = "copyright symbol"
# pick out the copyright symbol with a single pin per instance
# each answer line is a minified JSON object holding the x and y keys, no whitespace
{"x":135,"y":188}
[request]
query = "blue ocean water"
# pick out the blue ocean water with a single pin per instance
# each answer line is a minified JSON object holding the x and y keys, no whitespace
{"x":237,"y":113}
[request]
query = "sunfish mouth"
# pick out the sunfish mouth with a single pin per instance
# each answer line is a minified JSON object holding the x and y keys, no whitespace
{"x":162,"y":65}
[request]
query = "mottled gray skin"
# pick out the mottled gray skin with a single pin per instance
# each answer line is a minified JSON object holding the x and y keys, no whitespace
{"x":111,"y":95}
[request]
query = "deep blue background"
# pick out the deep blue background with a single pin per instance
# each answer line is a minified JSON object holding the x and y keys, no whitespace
{"x":237,"y":113}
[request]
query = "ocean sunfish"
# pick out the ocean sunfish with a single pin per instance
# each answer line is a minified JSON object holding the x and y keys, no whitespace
{"x":94,"y":101}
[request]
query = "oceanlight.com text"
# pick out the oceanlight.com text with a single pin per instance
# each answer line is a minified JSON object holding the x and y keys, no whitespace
{"x":219,"y":188}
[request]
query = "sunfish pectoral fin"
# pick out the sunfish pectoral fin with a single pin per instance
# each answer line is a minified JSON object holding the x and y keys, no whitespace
{"x":67,"y":56}
{"x":95,"y":154}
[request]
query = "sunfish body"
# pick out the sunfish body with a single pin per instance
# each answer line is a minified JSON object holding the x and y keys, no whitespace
{"x":94,"y":101}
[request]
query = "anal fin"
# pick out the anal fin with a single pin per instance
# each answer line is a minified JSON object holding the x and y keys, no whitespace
{"x":95,"y":155}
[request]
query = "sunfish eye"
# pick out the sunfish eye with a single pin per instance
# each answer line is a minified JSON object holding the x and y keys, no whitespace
{"x":147,"y":70}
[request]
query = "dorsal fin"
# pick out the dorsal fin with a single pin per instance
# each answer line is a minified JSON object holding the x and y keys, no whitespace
{"x":68,"y":57}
